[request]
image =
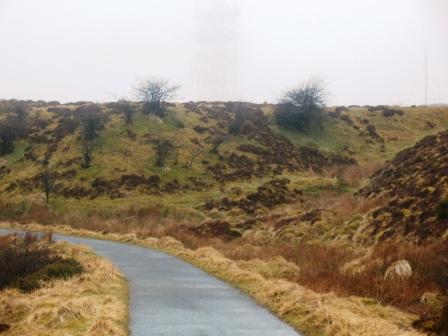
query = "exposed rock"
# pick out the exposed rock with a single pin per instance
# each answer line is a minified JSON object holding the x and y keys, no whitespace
{"x":399,"y":270}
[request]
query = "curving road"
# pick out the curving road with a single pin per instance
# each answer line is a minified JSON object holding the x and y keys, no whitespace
{"x":170,"y":297}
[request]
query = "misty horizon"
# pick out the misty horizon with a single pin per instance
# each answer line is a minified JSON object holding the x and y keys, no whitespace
{"x":374,"y":52}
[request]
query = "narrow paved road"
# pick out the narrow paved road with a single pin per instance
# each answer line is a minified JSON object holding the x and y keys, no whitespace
{"x":170,"y":297}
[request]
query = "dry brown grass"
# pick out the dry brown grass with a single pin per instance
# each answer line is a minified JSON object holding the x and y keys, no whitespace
{"x":430,"y":272}
{"x":354,"y":271}
{"x":354,"y":175}
{"x":94,"y":303}
{"x":306,"y":310}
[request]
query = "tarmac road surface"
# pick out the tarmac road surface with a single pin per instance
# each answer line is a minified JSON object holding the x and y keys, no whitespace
{"x":170,"y":297}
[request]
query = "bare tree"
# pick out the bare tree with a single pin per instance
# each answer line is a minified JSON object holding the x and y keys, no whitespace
{"x":92,"y":120}
{"x":47,"y":181}
{"x":154,"y":94}
{"x":302,"y":107}
{"x":87,"y":154}
{"x":163,"y":148}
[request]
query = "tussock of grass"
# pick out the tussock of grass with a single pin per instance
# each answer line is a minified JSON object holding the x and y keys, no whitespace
{"x":305,"y":310}
{"x":94,"y":303}
{"x":278,"y":267}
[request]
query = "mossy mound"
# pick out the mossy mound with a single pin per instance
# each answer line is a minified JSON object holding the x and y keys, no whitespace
{"x":415,"y":187}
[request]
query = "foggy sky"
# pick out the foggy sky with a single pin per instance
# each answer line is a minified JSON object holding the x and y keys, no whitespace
{"x":368,"y":51}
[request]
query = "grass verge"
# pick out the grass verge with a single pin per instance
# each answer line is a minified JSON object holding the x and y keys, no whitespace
{"x":308,"y":312}
{"x":93,"y":303}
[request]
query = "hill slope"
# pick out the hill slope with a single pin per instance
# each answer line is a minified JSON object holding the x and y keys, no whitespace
{"x":415,"y":184}
{"x":220,"y":155}
{"x":226,"y":175}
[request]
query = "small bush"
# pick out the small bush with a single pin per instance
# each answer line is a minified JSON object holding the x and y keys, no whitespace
{"x":26,"y":262}
{"x":92,"y":120}
{"x":302,"y":108}
{"x":57,"y":269}
{"x":61,"y":269}
{"x":20,"y":257}
{"x":28,"y":284}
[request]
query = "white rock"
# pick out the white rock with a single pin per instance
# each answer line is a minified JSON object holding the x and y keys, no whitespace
{"x":399,"y":270}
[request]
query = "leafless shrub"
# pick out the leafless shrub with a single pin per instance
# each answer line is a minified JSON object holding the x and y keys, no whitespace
{"x":155,"y":94}
{"x":20,"y":257}
{"x":163,"y":147}
{"x":302,"y":107}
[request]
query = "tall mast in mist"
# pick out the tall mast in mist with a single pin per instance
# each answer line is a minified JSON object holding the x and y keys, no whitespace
{"x":426,"y":73}
{"x":216,"y":68}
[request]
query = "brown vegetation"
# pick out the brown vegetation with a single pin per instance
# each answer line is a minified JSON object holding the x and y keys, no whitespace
{"x":94,"y":303}
{"x":304,"y":309}
{"x":273,"y":202}
{"x":26,"y":262}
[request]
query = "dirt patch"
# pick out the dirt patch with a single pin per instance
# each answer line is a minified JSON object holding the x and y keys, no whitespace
{"x":338,"y":114}
{"x":4,"y":327}
{"x":216,"y":229}
{"x":312,"y":216}
{"x":269,"y":195}
{"x":200,"y":129}
{"x":274,"y":155}
{"x":371,"y":132}
{"x":386,"y":111}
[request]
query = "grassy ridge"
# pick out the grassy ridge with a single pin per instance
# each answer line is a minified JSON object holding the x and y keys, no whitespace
{"x":265,"y":194}
{"x":125,"y":149}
